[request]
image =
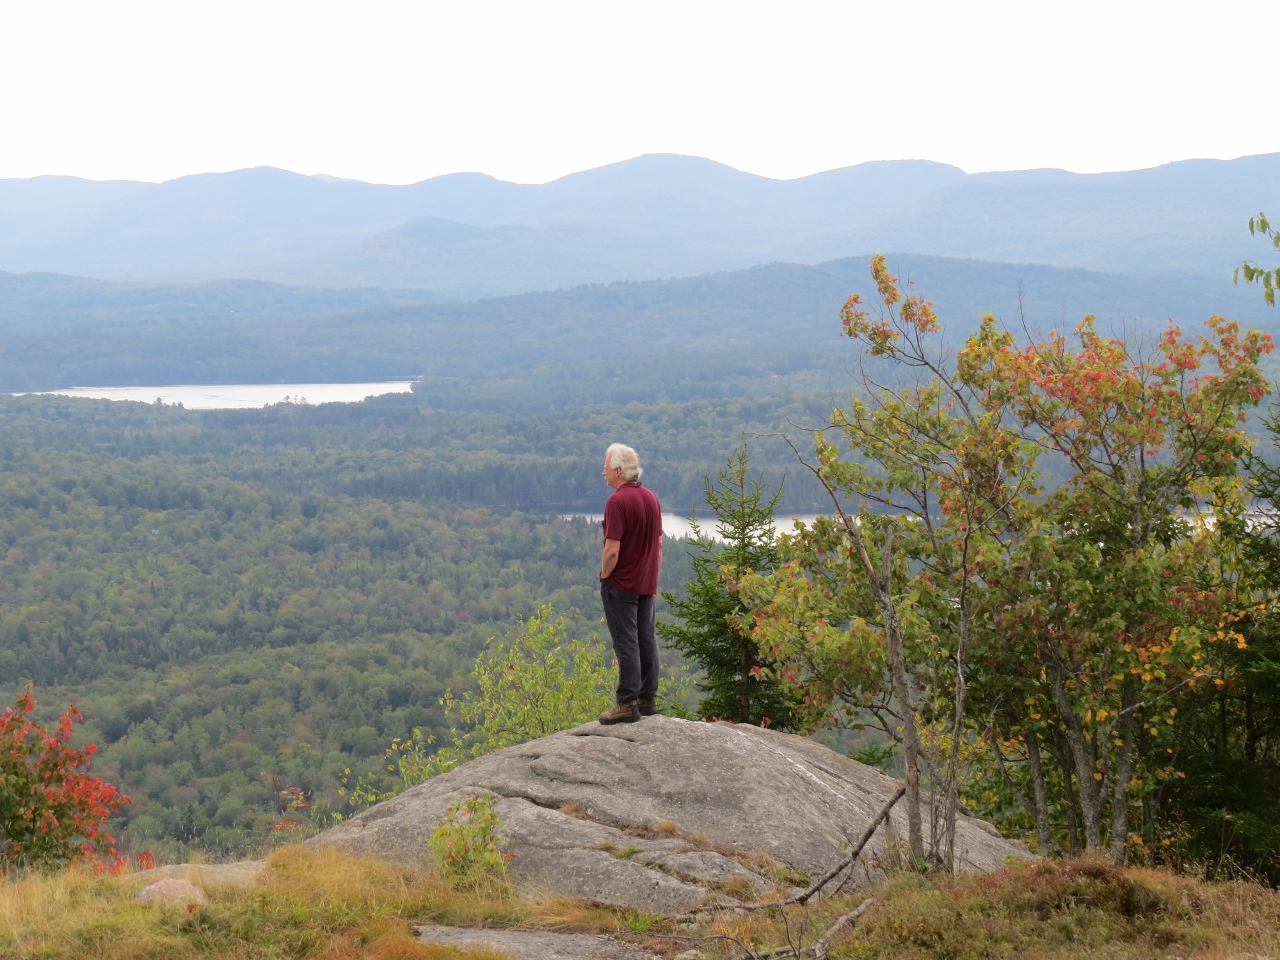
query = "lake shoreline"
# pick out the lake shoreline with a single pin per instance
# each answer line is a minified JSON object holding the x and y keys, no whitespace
{"x":679,"y":527}
{"x":234,"y":396}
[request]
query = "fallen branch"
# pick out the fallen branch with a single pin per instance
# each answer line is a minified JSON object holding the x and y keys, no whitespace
{"x":848,"y":921}
{"x":808,"y":894}
{"x":721,"y":936}
{"x":856,"y":851}
{"x":819,"y":949}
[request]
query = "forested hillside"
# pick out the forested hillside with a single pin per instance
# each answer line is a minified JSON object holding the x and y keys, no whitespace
{"x":712,"y":336}
{"x":401,"y":447}
{"x":245,"y":601}
{"x":249,"y":605}
{"x":222,"y":638}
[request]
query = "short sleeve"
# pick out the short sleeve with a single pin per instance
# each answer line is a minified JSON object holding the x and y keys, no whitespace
{"x":615,"y":522}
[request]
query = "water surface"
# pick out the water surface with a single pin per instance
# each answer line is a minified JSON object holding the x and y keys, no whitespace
{"x":231,"y":396}
{"x":676,"y":526}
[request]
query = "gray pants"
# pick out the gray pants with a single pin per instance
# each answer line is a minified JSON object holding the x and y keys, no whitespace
{"x":630,"y":620}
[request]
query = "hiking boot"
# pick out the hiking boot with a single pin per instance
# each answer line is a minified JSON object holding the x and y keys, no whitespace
{"x":621,"y":713}
{"x":648,"y":707}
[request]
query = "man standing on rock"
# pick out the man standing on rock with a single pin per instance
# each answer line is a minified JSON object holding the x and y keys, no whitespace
{"x":629,"y":582}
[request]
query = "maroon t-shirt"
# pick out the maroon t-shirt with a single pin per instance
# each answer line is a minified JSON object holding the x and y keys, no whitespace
{"x":633,"y":517}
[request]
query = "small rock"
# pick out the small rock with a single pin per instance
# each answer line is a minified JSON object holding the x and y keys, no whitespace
{"x":690,"y":955}
{"x":171,"y":890}
{"x":242,"y":874}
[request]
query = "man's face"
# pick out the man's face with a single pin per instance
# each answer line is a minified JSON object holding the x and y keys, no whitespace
{"x":612,"y":475}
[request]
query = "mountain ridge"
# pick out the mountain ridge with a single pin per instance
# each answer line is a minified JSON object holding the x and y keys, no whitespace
{"x":653,"y":216}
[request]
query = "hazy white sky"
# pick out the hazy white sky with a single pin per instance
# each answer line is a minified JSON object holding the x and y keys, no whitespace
{"x":397,"y":91}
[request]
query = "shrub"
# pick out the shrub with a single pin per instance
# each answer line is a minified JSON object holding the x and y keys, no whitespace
{"x":52,"y":812}
{"x":465,"y":846}
{"x":538,"y":683}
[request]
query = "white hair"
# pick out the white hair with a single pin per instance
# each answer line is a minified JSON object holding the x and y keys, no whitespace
{"x":625,"y":459}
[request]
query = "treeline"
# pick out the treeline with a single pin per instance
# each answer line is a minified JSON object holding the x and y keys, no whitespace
{"x":404,"y":447}
{"x":684,"y":339}
{"x":237,"y":642}
{"x":109,"y":564}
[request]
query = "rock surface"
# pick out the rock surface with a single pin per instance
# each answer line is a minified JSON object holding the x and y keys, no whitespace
{"x":245,"y":873}
{"x":171,"y":890}
{"x":662,"y":814}
{"x":521,"y":945}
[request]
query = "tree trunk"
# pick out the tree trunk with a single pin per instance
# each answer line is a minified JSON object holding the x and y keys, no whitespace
{"x":1044,"y":829}
{"x":1069,"y":791}
{"x":1250,"y":730}
{"x":953,"y":761}
{"x":910,"y":737}
{"x":1120,"y":798}
{"x":882,"y":585}
{"x":1077,"y":743}
{"x":1039,"y":809}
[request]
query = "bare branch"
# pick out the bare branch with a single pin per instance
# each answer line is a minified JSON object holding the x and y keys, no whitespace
{"x":845,"y":922}
{"x":856,"y":852}
{"x":808,"y":894}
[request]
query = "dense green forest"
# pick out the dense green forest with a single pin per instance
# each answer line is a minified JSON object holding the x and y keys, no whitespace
{"x":246,"y":601}
{"x":405,"y":447}
{"x":219,"y":636}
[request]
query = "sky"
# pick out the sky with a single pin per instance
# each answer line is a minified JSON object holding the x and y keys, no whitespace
{"x":396,"y":91}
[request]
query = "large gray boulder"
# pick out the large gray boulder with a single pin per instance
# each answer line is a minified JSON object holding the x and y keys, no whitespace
{"x":662,"y":814}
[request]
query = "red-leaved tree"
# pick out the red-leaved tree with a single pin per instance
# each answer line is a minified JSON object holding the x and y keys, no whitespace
{"x":52,"y":811}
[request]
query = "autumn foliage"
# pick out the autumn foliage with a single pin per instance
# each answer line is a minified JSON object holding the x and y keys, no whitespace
{"x":1031,"y":554}
{"x":52,"y":811}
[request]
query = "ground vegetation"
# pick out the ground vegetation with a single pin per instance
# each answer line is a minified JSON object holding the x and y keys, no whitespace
{"x":325,"y":904}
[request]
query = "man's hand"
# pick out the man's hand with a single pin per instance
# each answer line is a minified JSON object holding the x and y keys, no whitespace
{"x":609,"y":559}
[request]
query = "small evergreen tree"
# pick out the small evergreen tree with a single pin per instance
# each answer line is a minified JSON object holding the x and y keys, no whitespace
{"x":735,"y":687}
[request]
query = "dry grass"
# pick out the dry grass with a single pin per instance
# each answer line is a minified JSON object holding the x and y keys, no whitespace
{"x":319,"y":904}
{"x":41,"y":910}
{"x":1052,"y":910}
{"x":1046,"y":911}
{"x":325,"y":905}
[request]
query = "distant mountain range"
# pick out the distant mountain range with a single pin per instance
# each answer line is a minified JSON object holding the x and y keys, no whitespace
{"x":468,"y":236}
{"x":746,"y":331}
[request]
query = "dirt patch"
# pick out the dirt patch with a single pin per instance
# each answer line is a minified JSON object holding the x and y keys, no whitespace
{"x":526,"y":945}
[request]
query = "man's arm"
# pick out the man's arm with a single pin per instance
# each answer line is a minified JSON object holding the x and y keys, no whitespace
{"x":609,"y":559}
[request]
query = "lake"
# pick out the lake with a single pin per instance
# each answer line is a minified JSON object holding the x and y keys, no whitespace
{"x":676,"y":526}
{"x":231,"y":396}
